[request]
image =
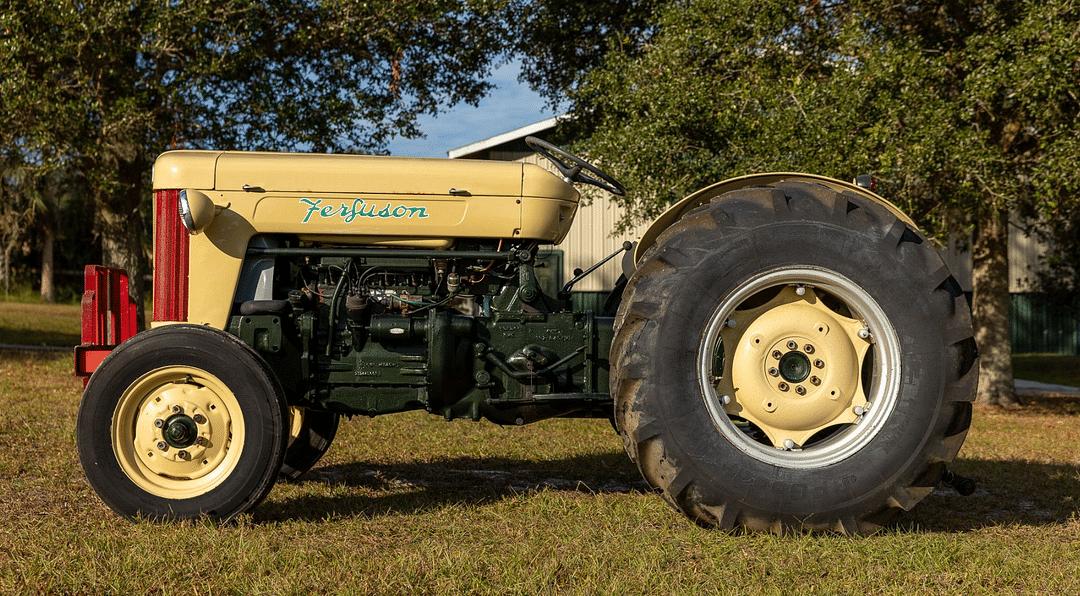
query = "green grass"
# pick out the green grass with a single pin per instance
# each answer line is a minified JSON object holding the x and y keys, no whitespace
{"x":1060,"y":370}
{"x":410,"y":504}
{"x":39,"y":324}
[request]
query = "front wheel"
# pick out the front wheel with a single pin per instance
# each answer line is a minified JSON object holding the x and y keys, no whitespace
{"x":182,"y":422}
{"x":793,"y":357}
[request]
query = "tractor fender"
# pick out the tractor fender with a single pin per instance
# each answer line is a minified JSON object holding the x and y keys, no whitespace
{"x":678,"y":210}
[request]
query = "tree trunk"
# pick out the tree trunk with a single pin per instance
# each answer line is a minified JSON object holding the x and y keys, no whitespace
{"x":990,"y":308}
{"x":121,"y":246}
{"x":48,"y":285}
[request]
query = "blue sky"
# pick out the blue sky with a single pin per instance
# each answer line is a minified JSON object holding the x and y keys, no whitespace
{"x":511,"y":105}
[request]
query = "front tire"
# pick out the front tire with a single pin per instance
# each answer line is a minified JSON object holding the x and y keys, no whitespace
{"x":793,"y":357}
{"x":182,"y":422}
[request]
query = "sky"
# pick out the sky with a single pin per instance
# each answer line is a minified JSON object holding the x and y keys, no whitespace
{"x":510,"y":105}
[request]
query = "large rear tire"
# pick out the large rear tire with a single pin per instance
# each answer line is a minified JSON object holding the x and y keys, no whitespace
{"x":182,"y":422}
{"x":793,"y":357}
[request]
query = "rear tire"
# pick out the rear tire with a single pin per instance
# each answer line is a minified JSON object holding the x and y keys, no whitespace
{"x":310,"y":435}
{"x":182,"y":422}
{"x":792,"y":357}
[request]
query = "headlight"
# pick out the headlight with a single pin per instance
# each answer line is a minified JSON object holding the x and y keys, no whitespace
{"x":196,"y":210}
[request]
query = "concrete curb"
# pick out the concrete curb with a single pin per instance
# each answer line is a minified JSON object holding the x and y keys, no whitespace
{"x":1035,"y":388}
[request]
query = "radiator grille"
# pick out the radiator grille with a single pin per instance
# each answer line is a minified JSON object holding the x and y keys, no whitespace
{"x":170,"y":258}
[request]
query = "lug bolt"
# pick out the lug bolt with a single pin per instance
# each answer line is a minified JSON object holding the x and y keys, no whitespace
{"x":731,"y":322}
{"x":800,"y":390}
{"x":791,"y":345}
{"x":864,"y":333}
{"x":176,"y":409}
{"x":859,"y":411}
{"x":789,"y":444}
{"x":819,"y":363}
{"x":726,"y":399}
{"x":800,"y":290}
{"x":159,"y":423}
{"x":774,"y":372}
{"x":776,"y":354}
{"x":815,"y":381}
{"x":782,"y":386}
{"x":182,"y":454}
{"x":809,"y":349}
{"x":199,"y":418}
{"x":162,"y":446}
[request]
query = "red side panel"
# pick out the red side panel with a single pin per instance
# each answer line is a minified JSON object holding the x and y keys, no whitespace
{"x":170,"y":258}
{"x":109,"y":316}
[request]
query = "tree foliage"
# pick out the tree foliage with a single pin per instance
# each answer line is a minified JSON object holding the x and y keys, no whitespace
{"x":103,"y":86}
{"x":561,"y":42}
{"x":967,"y":110}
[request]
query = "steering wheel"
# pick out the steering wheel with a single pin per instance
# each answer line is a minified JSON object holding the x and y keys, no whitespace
{"x":573,"y":173}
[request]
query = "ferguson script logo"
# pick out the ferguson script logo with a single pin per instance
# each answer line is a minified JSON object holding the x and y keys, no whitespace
{"x":361,"y":209}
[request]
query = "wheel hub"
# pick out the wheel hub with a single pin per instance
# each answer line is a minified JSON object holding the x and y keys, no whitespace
{"x":181,"y":431}
{"x":792,"y":367}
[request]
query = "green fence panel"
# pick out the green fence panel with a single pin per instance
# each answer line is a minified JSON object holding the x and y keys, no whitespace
{"x":1039,"y":326}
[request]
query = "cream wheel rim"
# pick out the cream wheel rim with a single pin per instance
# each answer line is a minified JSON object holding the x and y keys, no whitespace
{"x":799,"y":367}
{"x":178,"y":432}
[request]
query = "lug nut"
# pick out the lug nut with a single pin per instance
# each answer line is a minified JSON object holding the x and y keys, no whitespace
{"x":162,"y":445}
{"x":800,"y":390}
{"x":176,"y":409}
{"x":774,"y":372}
{"x":182,"y":454}
{"x":809,"y":349}
{"x":791,"y":345}
{"x":199,"y":418}
{"x":815,"y":381}
{"x":782,"y":386}
{"x":200,"y":441}
{"x":819,"y":363}
{"x":159,"y":423}
{"x":776,"y":354}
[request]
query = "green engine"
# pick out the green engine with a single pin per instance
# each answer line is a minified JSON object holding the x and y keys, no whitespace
{"x":464,"y":334}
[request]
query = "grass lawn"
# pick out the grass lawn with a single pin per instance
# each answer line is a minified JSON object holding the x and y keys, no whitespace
{"x":410,"y":504}
{"x":39,"y":324}
{"x":1060,"y":370}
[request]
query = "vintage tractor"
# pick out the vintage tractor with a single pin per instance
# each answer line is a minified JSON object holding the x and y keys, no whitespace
{"x":789,"y":351}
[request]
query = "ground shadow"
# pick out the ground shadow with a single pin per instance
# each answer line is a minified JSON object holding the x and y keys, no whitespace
{"x":1008,"y":493}
{"x":420,"y":486}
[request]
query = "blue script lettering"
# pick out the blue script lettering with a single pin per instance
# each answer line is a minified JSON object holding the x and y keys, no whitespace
{"x":361,"y":209}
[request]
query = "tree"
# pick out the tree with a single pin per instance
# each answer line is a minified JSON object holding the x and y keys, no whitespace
{"x":967,"y":110}
{"x":103,"y":86}
{"x":561,"y":42}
